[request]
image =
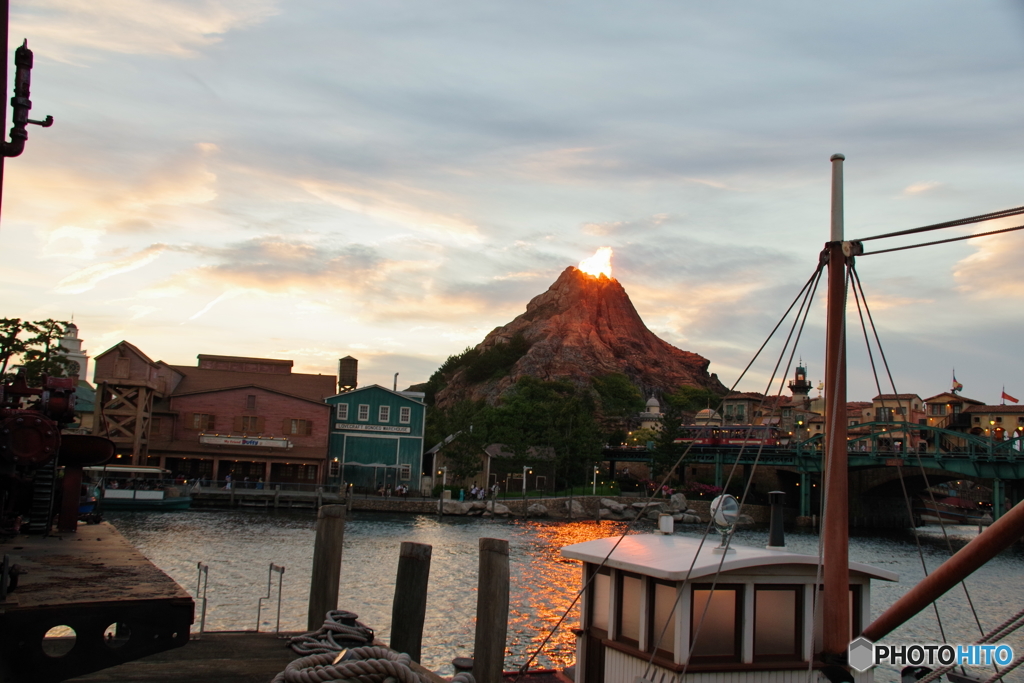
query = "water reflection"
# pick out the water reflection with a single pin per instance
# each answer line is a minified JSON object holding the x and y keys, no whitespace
{"x":239,"y":546}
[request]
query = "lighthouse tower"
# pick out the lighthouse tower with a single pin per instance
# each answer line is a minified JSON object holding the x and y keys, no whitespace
{"x":78,"y":356}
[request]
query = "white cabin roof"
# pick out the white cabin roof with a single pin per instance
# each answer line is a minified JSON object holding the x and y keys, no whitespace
{"x":668,"y":557}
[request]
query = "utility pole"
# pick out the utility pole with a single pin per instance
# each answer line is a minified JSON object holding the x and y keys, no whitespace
{"x":20,"y":103}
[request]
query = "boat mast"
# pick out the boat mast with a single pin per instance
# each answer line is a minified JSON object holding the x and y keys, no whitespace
{"x":835,"y":527}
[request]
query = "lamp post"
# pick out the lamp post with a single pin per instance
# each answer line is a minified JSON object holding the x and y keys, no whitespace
{"x":596,"y":468}
{"x":526,"y":470}
{"x":443,"y":471}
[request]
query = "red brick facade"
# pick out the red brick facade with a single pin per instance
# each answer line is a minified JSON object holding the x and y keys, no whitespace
{"x":282,"y":415}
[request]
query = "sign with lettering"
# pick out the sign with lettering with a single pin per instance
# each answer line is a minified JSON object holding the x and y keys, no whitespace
{"x":372,"y":428}
{"x":265,"y":442}
{"x":894,"y":462}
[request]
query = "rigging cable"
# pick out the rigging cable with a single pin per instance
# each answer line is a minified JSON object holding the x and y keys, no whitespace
{"x":858,"y":294}
{"x":1005,"y":213}
{"x":931,"y":244}
{"x":858,"y":286}
{"x":798,"y":325}
{"x":812,"y":280}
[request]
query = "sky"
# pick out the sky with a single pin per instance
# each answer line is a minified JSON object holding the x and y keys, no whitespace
{"x":391,"y":180}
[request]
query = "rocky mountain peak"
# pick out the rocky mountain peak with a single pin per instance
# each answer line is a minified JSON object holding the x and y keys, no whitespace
{"x":582,"y":327}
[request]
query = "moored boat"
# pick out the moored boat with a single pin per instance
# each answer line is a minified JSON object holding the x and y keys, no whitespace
{"x":124,"y":487}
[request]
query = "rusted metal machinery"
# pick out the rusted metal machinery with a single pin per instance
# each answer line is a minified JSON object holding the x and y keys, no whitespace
{"x":82,"y":599}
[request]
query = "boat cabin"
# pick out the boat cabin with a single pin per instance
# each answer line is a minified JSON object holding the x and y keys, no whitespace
{"x":744,"y":611}
{"x":137,"y":487}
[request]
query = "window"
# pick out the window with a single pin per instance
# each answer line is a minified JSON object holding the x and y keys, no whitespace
{"x":777,"y":623}
{"x":250,"y":402}
{"x":853,"y":423}
{"x":600,"y":590}
{"x":310,"y":471}
{"x":977,"y":420}
{"x":334,"y":469}
{"x":718,"y":639}
{"x":884,"y":414}
{"x":540,"y":482}
{"x":298,"y":427}
{"x":202,"y":421}
{"x":405,"y":472}
{"x":628,"y":613}
{"x":250,"y":424}
{"x":405,"y":415}
{"x":342,"y":411}
{"x":937,"y":409}
{"x":661,"y":613}
{"x":364,"y":412}
{"x":384,"y":414}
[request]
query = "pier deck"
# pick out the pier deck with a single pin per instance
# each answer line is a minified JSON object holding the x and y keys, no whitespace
{"x":218,"y":657}
{"x":91,"y":583}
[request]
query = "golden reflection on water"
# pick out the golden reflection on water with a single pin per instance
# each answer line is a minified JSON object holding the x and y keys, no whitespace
{"x":555,"y":583}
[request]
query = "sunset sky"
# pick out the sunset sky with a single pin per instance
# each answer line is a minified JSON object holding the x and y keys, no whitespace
{"x":393,"y":179}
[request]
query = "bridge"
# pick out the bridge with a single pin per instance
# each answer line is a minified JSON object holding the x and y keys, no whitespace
{"x":876,"y":446}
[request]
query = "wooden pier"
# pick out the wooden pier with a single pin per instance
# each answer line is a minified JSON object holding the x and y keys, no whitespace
{"x":108,"y":603}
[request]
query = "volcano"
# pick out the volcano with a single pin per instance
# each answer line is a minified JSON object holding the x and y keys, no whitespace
{"x":580,"y":328}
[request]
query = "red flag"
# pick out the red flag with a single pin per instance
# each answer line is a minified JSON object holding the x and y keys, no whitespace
{"x":1011,"y":399}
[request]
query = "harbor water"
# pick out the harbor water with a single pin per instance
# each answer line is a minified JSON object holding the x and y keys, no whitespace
{"x":239,"y":546}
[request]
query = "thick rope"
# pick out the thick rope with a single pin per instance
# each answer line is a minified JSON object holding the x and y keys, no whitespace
{"x":342,"y":650}
{"x":339,"y":625}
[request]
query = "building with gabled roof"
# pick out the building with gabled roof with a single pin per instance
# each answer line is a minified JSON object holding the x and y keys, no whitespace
{"x":250,"y":418}
{"x":376,"y":437}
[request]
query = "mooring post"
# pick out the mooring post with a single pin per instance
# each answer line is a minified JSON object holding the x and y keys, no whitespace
{"x":491,"y":611}
{"x":323,"y":584}
{"x":409,"y":609}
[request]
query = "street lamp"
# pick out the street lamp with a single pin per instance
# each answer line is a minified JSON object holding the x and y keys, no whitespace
{"x":443,"y":471}
{"x":595,"y":479}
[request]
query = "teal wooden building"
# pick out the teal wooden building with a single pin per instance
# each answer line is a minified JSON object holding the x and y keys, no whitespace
{"x":377,"y":438}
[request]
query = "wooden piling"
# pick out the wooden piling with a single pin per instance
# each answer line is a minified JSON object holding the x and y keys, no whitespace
{"x":323,"y":585}
{"x":409,"y":609}
{"x":491,"y":611}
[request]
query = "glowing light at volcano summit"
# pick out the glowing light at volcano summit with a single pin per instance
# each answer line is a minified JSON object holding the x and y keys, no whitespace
{"x":599,"y":264}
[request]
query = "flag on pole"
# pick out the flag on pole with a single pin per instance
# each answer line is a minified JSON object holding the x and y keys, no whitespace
{"x":1007,"y":397}
{"x":956,"y":385}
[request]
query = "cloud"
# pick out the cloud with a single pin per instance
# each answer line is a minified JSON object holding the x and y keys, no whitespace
{"x":88,"y":277}
{"x":67,"y":201}
{"x":394,"y":203}
{"x":921,"y":188}
{"x":993,"y":270}
{"x":69,"y":29}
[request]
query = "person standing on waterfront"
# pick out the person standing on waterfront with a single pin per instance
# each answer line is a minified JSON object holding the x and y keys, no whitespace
{"x":227,"y":481}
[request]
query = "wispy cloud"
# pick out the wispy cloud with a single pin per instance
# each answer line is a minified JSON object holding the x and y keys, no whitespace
{"x":921,"y":188}
{"x":68,"y":29}
{"x":88,"y":277}
{"x":412,"y":208}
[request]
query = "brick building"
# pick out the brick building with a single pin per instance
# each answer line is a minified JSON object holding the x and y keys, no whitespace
{"x":248,"y":417}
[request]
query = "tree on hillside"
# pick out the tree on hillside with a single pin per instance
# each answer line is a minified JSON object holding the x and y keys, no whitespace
{"x":543,"y":414}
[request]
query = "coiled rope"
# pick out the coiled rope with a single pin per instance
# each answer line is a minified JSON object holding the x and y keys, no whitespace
{"x":339,"y":625}
{"x":328,"y":655}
